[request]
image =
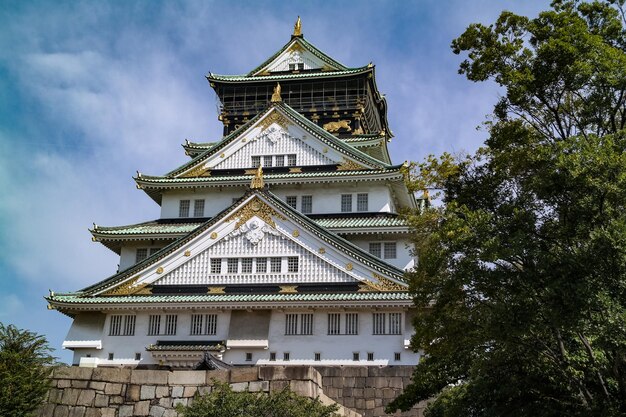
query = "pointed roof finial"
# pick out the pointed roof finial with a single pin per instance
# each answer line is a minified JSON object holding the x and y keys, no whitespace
{"x":297,"y":28}
{"x":276,"y":98}
{"x":257,"y":181}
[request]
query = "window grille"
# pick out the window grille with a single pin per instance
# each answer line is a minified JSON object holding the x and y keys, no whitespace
{"x":261,"y":265}
{"x":275,"y":265}
{"x":280,"y":160}
{"x":370,"y":356}
{"x":346,"y":203}
{"x":196,"y":324}
{"x":291,"y":324}
{"x":334,"y":323}
{"x":170,"y":324}
{"x":286,"y":356}
{"x":111,"y":356}
{"x":318,"y":356}
{"x":183,"y":208}
{"x":306,"y":324}
{"x":356,"y":356}
{"x":390,"y":250}
{"x":137,"y":356}
{"x":395,"y":323}
{"x":352,"y":323}
{"x":198,"y":208}
{"x":291,"y":160}
{"x":248,"y":356}
{"x":246,"y":266}
{"x":306,"y":204}
{"x":375,"y":249}
{"x":154,"y":250}
{"x":292,"y":264}
{"x":379,"y":323}
{"x":272,"y":356}
{"x":210,"y":324}
{"x":397,"y":356}
{"x":216,"y":265}
{"x":115,"y":327}
{"x":292,"y":201}
{"x":141,"y":255}
{"x":361,"y":202}
{"x":122,"y":325}
{"x":267,"y":161}
{"x":233,"y":264}
{"x":154,"y":325}
{"x":256,"y":161}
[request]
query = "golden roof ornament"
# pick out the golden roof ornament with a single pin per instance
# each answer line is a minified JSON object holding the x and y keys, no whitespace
{"x":276,"y":98}
{"x":297,"y":28}
{"x":257,"y":181}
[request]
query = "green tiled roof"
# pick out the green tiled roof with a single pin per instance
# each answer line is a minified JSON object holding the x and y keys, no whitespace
{"x":190,"y":347}
{"x":290,"y":76}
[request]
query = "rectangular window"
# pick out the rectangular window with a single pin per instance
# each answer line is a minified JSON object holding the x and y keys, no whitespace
{"x":246,"y":266}
{"x":233,"y":264}
{"x":154,"y":325}
{"x":286,"y":356}
{"x":292,"y":264}
{"x":356,"y":356}
{"x":275,"y":265}
{"x":210,"y":324}
{"x":261,"y":265}
{"x":306,"y":204}
{"x":141,"y":255}
{"x":196,"y":324}
{"x":346,"y":203}
{"x":183,"y":208}
{"x":267,"y":161}
{"x":390,"y":250}
{"x":292,"y":67}
{"x":291,"y":324}
{"x":397,"y":357}
{"x":280,"y":160}
{"x":170,"y":324}
{"x":111,"y":356}
{"x":300,"y":66}
{"x":272,"y":356}
{"x":370,"y":356}
{"x":216,"y":265}
{"x":129,"y":325}
{"x":395,"y":323}
{"x":318,"y":356}
{"x":352,"y":323}
{"x":334,"y":323}
{"x":115,"y":327}
{"x":361,"y":202}
{"x":122,"y":325}
{"x":154,"y":250}
{"x":248,"y":356}
{"x":379,"y":323}
{"x":198,"y":208}
{"x":292,"y":201}
{"x":137,"y":356}
{"x":306,"y":324}
{"x":291,"y":160}
{"x":256,"y":161}
{"x":375,"y":249}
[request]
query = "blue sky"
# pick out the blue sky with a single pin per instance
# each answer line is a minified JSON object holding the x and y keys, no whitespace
{"x":91,"y":92}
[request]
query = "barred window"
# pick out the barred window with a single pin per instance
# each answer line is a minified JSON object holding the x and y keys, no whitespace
{"x":356,"y":356}
{"x":306,"y":324}
{"x":248,"y":356}
{"x":291,"y":324}
{"x":233,"y":264}
{"x":393,"y":326}
{"x":375,"y":249}
{"x":261,"y":265}
{"x":246,"y":266}
{"x":318,"y":356}
{"x":122,"y":325}
{"x":267,"y":161}
{"x":280,"y":160}
{"x":334,"y":323}
{"x":291,"y":160}
{"x":210,"y":324}
{"x":275,"y":265}
{"x":390,"y":250}
{"x":292,"y":201}
{"x":397,"y":357}
{"x":286,"y":356}
{"x":346,"y":203}
{"x":170,"y":324}
{"x":379,"y":323}
{"x":306,"y":204}
{"x":154,"y":325}
{"x":198,"y":208}
{"x":256,"y":161}
{"x":141,"y":255}
{"x":203,"y":324}
{"x":361,"y":202}
{"x":352,"y":323}
{"x":216,"y":265}
{"x":196,"y":324}
{"x":292,"y":264}
{"x":272,"y":356}
{"x":370,"y":356}
{"x":183,"y":208}
{"x":115,"y":327}
{"x":395,"y":323}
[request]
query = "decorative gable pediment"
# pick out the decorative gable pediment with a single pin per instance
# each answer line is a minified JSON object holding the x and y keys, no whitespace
{"x":299,"y":56}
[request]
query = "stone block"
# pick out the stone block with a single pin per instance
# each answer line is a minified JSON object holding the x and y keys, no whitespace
{"x":113,"y":389}
{"x":79,"y":383}
{"x":348,"y":402}
{"x":190,"y":392}
{"x":187,"y":378}
{"x":337,"y":382}
{"x":61,"y":411}
{"x":86,"y":397}
{"x":108,"y":412}
{"x":349,"y":381}
{"x":371,"y":392}
{"x":93,"y":412}
{"x":70,"y":396}
{"x":246,"y":374}
{"x":157,"y":411}
{"x":177,"y":391}
{"x":239,"y":386}
{"x":116,"y":399}
{"x":389,"y":393}
{"x":97,"y":385}
{"x":162,"y":391}
{"x":77,"y":411}
{"x":259,"y":386}
{"x":218,"y":375}
{"x":378,"y":402}
{"x":72,"y":372}
{"x":278,"y":385}
{"x":148,"y":392}
{"x":358,"y":392}
{"x":177,"y":401}
{"x":370,"y":404}
{"x":204,"y":390}
{"x":142,"y":408}
{"x":64,"y":383}
{"x":148,"y":377}
{"x":55,"y":395}
{"x":395,"y":382}
{"x":170,"y":413}
{"x":304,"y":388}
{"x":125,"y":411}
{"x":165,"y":402}
{"x":101,"y":400}
{"x":360,"y":382}
{"x":329,"y":371}
{"x":119,"y":375}
{"x":133,"y":392}
{"x":47,"y":410}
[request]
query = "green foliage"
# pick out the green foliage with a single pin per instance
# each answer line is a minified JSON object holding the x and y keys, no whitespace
{"x":25,"y":367}
{"x":222,"y":401}
{"x":522,"y":274}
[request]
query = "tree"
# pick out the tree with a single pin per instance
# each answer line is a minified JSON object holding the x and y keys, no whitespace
{"x":25,"y":368}
{"x":222,"y":401}
{"x":522,"y":273}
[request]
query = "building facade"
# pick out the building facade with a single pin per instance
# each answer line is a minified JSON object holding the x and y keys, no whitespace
{"x":280,"y":243}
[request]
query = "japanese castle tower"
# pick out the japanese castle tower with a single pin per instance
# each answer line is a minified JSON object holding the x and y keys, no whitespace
{"x":279,"y":243}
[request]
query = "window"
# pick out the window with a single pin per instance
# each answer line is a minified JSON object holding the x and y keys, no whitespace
{"x":261,"y":265}
{"x":183,"y":208}
{"x":306,"y":204}
{"x":137,"y":356}
{"x":267,"y":161}
{"x":306,"y":324}
{"x":334,"y":323}
{"x":291,"y":324}
{"x":346,"y":203}
{"x":233,"y":264}
{"x":122,"y":325}
{"x":129,"y":325}
{"x":370,"y":356}
{"x":280,"y":161}
{"x":170,"y":324}
{"x":111,"y":356}
{"x":397,"y":357}
{"x":379,"y":323}
{"x":318,"y":356}
{"x":292,"y":201}
{"x":256,"y":161}
{"x":393,"y":326}
{"x":275,"y":265}
{"x":115,"y":326}
{"x":141,"y":255}
{"x":272,"y":356}
{"x":352,"y":323}
{"x":291,"y":160}
{"x":356,"y":356}
{"x":292,"y":264}
{"x":198,"y":208}
{"x":154,"y":325}
{"x":375,"y":249}
{"x":210,"y":324}
{"x":196,"y":324}
{"x":395,"y":323}
{"x":390,"y":250}
{"x":361,"y":202}
{"x":248,"y":356}
{"x":286,"y":356}
{"x":154,"y":250}
{"x":246,"y":266}
{"x":216,"y":265}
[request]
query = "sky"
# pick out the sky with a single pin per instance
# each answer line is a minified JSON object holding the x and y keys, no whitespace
{"x":93,"y":91}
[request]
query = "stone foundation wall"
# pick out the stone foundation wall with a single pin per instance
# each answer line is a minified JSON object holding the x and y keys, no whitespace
{"x":123,"y":392}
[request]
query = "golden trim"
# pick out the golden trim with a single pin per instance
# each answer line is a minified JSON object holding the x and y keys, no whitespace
{"x":216,"y":290}
{"x":349,"y":165}
{"x":325,"y":150}
{"x":198,"y":171}
{"x":249,"y":172}
{"x":295,"y":233}
{"x":297,"y":28}
{"x":255,"y":207}
{"x":127,"y":288}
{"x":349,"y":267}
{"x":295,"y":170}
{"x":159,"y":270}
{"x":322,"y":250}
{"x":385,"y":284}
{"x":288,"y":289}
{"x":339,"y":124}
{"x":274,"y":117}
{"x":276,"y":98}
{"x":222,"y":155}
{"x":187,"y":253}
{"x":257,"y":181}
{"x":213,"y":235}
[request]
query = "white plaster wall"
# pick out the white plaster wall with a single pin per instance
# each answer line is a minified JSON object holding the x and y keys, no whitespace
{"x":128,"y":254}
{"x":404,"y":247}
{"x":216,"y":200}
